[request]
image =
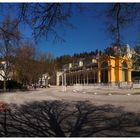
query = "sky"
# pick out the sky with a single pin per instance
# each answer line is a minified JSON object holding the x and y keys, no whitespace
{"x":88,"y":35}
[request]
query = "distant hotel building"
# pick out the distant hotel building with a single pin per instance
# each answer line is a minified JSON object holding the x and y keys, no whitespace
{"x":104,"y":69}
{"x":100,"y":69}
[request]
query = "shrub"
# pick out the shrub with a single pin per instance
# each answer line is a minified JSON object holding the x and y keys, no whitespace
{"x":11,"y":84}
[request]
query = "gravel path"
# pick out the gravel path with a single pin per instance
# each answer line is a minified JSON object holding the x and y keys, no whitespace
{"x":96,"y":96}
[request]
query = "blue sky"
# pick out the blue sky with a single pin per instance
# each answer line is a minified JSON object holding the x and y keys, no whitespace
{"x":89,"y":33}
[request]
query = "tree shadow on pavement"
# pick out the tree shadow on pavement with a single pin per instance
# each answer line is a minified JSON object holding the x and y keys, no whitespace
{"x":69,"y":119}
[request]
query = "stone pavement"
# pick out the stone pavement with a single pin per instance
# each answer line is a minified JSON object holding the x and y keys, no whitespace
{"x":129,"y":99}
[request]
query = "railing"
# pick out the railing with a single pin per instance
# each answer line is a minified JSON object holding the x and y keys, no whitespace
{"x":136,"y":85}
{"x":93,"y":86}
{"x":121,"y":85}
{"x":125,"y":85}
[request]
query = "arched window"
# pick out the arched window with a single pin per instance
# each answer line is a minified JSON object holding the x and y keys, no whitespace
{"x":104,"y":72}
{"x":124,"y":65}
{"x":104,"y":65}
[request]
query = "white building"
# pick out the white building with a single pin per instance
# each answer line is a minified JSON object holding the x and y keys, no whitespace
{"x":2,"y":67}
{"x":44,"y":80}
{"x":1,"y":75}
{"x":55,"y":79}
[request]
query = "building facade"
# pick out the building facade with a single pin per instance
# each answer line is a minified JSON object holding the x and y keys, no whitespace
{"x":44,"y":80}
{"x":104,"y":69}
{"x":56,"y":78}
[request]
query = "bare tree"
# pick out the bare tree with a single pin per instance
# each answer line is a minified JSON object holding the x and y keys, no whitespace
{"x":44,"y":17}
{"x":31,"y":64}
{"x":119,"y":16}
{"x":9,"y":37}
{"x":47,"y":63}
{"x":24,"y":62}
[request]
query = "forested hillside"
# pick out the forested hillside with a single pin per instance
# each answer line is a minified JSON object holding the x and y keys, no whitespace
{"x":65,"y":59}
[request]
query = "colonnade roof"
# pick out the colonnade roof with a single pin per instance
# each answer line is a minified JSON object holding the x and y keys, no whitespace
{"x":92,"y":62}
{"x":86,"y":62}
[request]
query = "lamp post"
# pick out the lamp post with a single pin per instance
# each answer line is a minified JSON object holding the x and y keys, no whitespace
{"x":45,"y":77}
{"x":64,"y":84}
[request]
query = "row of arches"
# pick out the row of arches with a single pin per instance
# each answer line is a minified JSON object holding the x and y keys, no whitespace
{"x":89,"y":77}
{"x":105,"y":68}
{"x":85,"y":77}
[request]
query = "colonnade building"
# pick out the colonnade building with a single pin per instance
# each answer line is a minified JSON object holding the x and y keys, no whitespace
{"x":104,"y":69}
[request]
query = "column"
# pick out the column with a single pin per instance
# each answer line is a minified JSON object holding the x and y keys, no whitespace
{"x":93,"y":76}
{"x":79,"y":79}
{"x":76,"y":78}
{"x":120,"y":71}
{"x":99,"y":76}
{"x":65,"y":79}
{"x":109,"y":74}
{"x":84,"y":78}
{"x":72,"y":79}
{"x":62,"y":80}
{"x":129,"y":80}
{"x":87,"y":78}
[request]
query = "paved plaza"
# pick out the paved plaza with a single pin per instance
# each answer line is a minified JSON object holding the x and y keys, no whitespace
{"x":129,"y":99}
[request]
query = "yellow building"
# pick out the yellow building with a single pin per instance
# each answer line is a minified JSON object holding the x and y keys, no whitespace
{"x":114,"y":69}
{"x":105,"y":69}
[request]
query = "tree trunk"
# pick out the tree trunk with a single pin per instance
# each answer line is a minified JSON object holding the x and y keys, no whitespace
{"x":4,"y":85}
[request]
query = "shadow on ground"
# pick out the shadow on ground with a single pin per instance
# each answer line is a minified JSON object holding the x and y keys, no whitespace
{"x":73,"y":119}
